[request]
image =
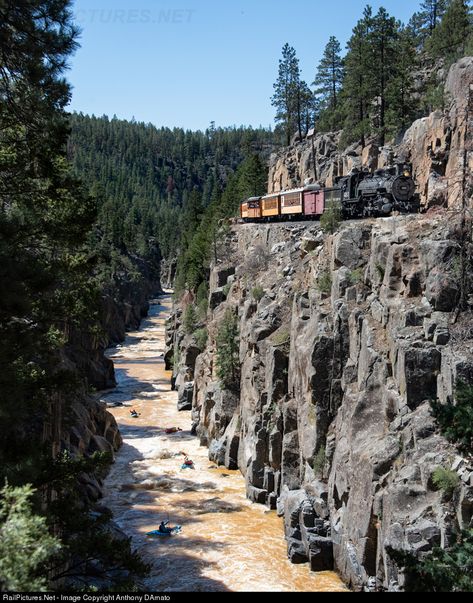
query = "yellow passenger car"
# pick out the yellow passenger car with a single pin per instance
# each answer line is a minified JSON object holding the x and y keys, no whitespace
{"x":251,"y":209}
{"x":270,"y":205}
{"x":292,"y":201}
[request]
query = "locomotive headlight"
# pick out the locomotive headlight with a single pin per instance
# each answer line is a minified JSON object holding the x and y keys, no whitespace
{"x":407,"y":174}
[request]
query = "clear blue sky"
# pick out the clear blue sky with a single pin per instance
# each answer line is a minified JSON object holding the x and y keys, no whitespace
{"x":188,"y":62}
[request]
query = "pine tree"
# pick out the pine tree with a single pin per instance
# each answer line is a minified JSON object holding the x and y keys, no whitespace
{"x":228,"y":350}
{"x":45,"y":219}
{"x":452,"y":36}
{"x":289,"y":94}
{"x":328,"y":80}
{"x":402,"y":103}
{"x":428,"y":17}
{"x":190,"y":319}
{"x":312,"y":112}
{"x":25,"y":543}
{"x":358,"y":81}
{"x":252,"y":177}
{"x":383,"y":42}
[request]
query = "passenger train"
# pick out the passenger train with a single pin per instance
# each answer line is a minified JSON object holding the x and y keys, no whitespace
{"x":360,"y":194}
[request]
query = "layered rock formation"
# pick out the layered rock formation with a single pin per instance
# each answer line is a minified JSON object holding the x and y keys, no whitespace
{"x":344,"y":339}
{"x":438,"y":146}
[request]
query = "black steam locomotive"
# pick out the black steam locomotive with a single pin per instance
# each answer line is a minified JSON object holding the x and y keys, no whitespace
{"x":389,"y":189}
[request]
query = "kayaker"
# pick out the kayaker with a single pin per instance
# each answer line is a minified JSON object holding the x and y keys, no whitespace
{"x":162,"y":527}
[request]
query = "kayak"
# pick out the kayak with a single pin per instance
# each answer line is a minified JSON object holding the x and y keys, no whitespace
{"x":174,"y":530}
{"x":184,"y":466}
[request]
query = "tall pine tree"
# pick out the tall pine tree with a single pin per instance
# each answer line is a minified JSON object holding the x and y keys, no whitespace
{"x":328,"y":81}
{"x":452,"y":36}
{"x":290,"y":94}
{"x":424,"y":22}
{"x":358,"y":81}
{"x":44,"y":221}
{"x":383,"y":41}
{"x":403,"y":103}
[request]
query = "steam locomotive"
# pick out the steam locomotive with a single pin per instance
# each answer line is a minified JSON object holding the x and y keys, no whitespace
{"x":360,"y":194}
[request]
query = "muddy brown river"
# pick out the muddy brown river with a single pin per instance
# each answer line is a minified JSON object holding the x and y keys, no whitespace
{"x":227,"y":543}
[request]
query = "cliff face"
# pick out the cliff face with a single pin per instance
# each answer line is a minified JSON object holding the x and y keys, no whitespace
{"x":87,"y":427}
{"x":438,"y":146}
{"x":123,"y":306}
{"x":341,"y":349}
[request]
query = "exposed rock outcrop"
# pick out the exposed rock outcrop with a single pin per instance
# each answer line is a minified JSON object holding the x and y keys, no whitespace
{"x":123,"y":305}
{"x":438,"y":146}
{"x":340,"y":355}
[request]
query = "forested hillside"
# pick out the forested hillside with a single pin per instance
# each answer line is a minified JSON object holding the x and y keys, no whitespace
{"x":144,"y":177}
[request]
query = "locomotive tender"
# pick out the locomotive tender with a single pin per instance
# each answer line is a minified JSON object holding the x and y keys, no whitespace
{"x":360,"y":194}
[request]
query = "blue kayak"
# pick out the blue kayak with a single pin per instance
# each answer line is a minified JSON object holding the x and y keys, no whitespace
{"x":174,"y":530}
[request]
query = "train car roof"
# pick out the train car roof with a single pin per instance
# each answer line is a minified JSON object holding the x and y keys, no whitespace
{"x":292,"y":190}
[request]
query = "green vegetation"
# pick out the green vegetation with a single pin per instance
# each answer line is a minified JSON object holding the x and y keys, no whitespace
{"x":208,"y":240}
{"x":324,"y":282}
{"x":319,"y":462}
{"x":52,"y":270}
{"x":331,"y":218}
{"x":282,"y":337}
{"x":449,"y":569}
{"x":257,"y":293}
{"x":452,"y":35}
{"x":445,"y":480}
{"x":292,"y":97}
{"x":356,"y":276}
{"x":25,"y":542}
{"x":202,"y":300}
{"x":226,"y":289}
{"x":328,"y":82}
{"x":228,"y":361}
{"x":371,"y":91}
{"x":456,"y":420}
{"x":443,"y":570}
{"x":201,"y":336}
{"x":190,"y":319}
{"x":154,"y":185}
{"x":424,"y":22}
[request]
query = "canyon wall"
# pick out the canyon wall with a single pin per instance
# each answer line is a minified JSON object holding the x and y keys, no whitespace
{"x":79,"y":421}
{"x":343,"y":341}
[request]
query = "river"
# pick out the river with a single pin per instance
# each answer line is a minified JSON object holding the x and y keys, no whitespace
{"x":227,"y":543}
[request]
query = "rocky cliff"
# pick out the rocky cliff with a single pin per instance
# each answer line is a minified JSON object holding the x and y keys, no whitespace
{"x":344,"y":339}
{"x":86,"y":426}
{"x":438,"y":146}
{"x":124,"y":303}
